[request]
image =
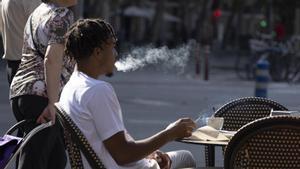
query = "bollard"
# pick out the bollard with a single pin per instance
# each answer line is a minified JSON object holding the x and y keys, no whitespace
{"x":206,"y":62}
{"x":262,"y":78}
{"x":197,"y":59}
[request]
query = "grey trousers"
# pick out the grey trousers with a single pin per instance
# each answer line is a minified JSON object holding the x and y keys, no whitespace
{"x":181,"y":159}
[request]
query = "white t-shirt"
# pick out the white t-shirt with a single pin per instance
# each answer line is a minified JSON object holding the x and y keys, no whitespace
{"x":93,"y":105}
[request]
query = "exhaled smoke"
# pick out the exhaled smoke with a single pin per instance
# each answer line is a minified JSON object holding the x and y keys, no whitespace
{"x":142,"y":56}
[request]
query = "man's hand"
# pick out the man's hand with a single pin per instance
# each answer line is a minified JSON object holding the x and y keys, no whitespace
{"x":182,"y":128}
{"x":162,"y":159}
{"x":47,"y":115}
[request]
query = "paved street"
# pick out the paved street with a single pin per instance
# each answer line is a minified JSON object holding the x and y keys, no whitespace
{"x":151,"y":99}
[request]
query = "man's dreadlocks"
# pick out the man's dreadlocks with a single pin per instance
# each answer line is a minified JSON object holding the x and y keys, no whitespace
{"x":85,"y":35}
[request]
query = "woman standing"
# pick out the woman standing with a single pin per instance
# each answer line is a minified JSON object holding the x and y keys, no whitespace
{"x":36,"y":86}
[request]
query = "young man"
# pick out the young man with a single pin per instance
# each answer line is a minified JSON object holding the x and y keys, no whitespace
{"x":93,"y":105}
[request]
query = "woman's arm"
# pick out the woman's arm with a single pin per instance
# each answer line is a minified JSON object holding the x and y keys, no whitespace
{"x":53,"y":66}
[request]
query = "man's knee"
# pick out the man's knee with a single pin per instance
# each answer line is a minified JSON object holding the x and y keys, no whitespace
{"x":188,"y":157}
{"x":182,"y":159}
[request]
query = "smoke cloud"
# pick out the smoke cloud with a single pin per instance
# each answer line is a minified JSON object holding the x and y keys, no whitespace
{"x":142,"y":56}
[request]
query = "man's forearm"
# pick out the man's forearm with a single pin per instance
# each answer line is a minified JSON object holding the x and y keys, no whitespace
{"x":136,"y":150}
{"x":147,"y":146}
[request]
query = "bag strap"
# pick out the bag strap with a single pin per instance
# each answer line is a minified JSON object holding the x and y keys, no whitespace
{"x":34,"y":43}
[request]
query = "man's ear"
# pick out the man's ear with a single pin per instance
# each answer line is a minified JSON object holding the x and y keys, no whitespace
{"x":98,"y":52}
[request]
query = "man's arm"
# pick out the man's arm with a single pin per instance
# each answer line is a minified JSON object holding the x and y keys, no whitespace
{"x":125,"y":150}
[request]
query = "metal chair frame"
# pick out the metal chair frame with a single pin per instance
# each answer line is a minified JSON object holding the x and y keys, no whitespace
{"x":26,"y":138}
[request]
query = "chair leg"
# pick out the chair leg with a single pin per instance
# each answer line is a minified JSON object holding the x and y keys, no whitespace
{"x":210,"y":155}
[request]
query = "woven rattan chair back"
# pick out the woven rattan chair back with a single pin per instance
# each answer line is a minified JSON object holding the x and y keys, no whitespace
{"x":244,"y":110}
{"x":267,"y":143}
{"x":76,"y":143}
{"x":239,"y":112}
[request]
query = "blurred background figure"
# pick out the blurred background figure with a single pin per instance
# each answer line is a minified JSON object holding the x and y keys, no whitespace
{"x":280,"y":30}
{"x":14,"y":17}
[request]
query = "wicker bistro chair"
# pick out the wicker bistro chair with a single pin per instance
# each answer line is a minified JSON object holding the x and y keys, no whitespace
{"x":267,"y":143}
{"x":239,"y":112}
{"x":76,"y":142}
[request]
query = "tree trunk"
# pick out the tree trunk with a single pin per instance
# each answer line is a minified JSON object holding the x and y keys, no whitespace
{"x":99,"y":8}
{"x":200,"y":21}
{"x":157,"y":27}
{"x":182,"y":27}
{"x":78,"y":10}
{"x":115,"y":18}
{"x":228,"y":28}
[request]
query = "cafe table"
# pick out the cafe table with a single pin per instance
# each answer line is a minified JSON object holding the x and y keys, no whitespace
{"x":211,"y":148}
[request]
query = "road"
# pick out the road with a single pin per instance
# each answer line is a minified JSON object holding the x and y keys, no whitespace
{"x":151,"y":99}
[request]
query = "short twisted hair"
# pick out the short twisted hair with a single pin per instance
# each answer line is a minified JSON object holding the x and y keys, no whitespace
{"x":85,"y":35}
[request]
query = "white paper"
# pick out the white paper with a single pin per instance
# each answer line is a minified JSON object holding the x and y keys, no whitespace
{"x":207,"y":133}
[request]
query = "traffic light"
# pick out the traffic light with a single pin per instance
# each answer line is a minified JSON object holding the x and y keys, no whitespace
{"x":217,"y":13}
{"x":216,"y":10}
{"x":263,"y":23}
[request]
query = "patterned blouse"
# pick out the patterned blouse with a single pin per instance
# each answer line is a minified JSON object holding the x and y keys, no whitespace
{"x":49,"y":24}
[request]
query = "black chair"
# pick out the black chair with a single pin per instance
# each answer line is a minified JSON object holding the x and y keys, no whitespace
{"x":267,"y":143}
{"x":239,"y":112}
{"x":76,"y":143}
{"x":26,"y":138}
